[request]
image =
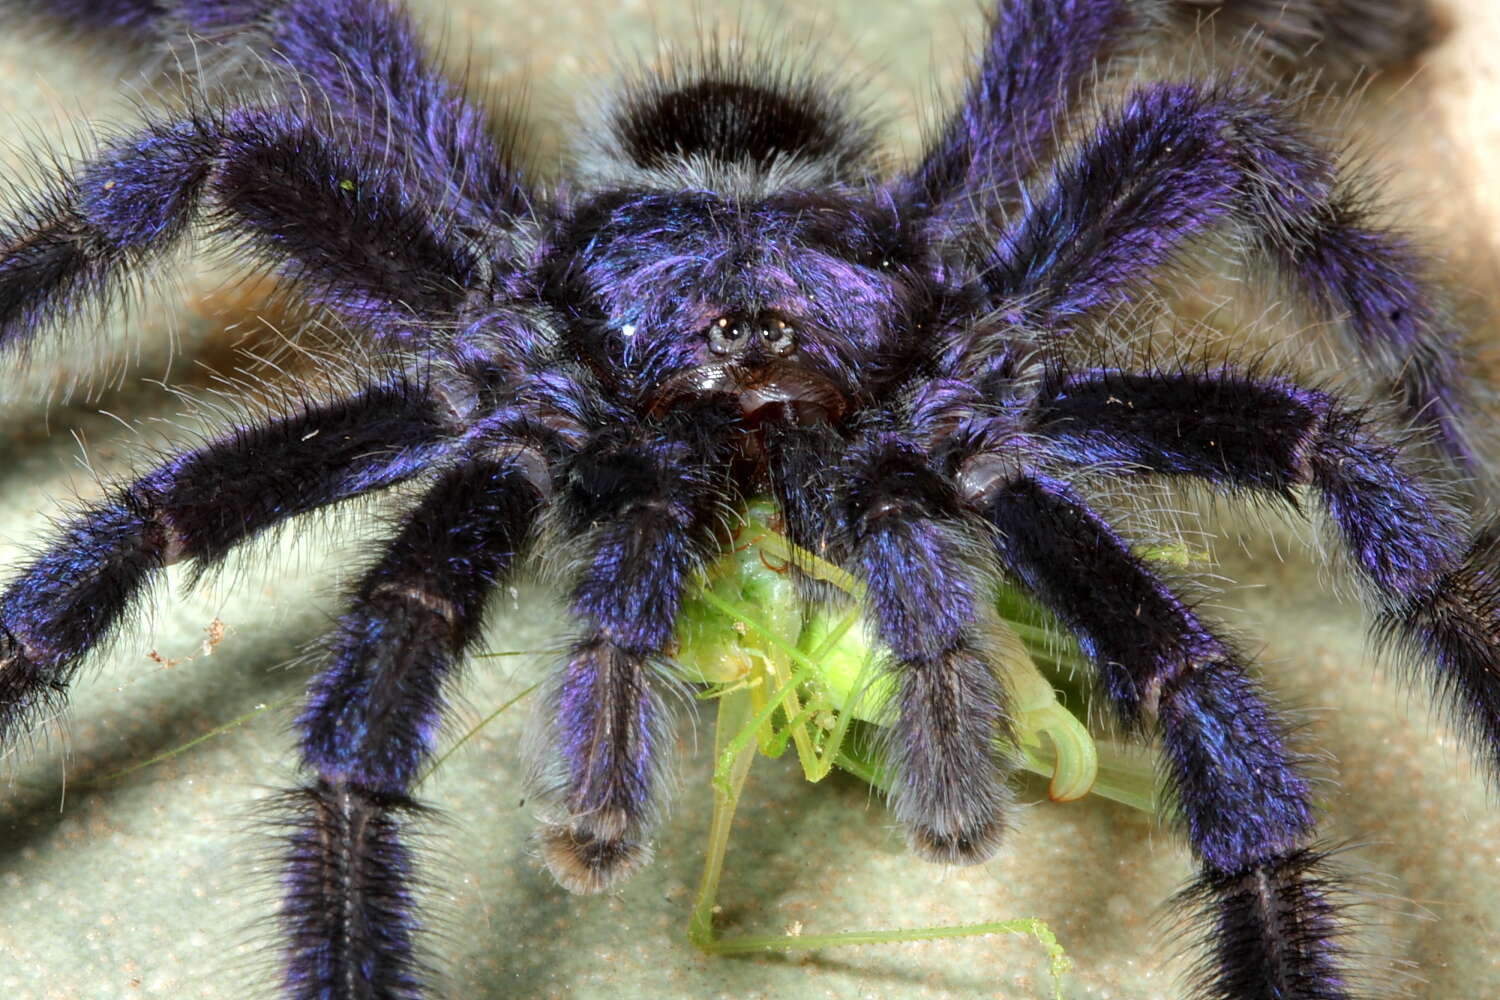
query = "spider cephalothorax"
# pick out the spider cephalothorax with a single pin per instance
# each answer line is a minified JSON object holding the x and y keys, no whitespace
{"x":733,"y":299}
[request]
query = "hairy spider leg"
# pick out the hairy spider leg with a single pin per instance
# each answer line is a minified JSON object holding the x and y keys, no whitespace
{"x":197,"y":506}
{"x":1429,"y":585}
{"x":370,"y":723}
{"x":1034,"y":61}
{"x":1271,"y":906}
{"x":278,"y":186}
{"x":361,"y":60}
{"x":1040,"y":55}
{"x":133,"y":17}
{"x":1174,"y":161}
{"x":644,"y":506}
{"x":922,"y":598}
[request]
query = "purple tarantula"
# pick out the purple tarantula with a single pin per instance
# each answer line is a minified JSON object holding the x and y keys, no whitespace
{"x":731,"y":299}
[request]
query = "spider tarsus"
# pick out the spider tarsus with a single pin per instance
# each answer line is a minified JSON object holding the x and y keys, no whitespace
{"x":1272,"y":930}
{"x":971,"y":845}
{"x":585,"y":861}
{"x":950,"y":789}
{"x":600,"y":767}
{"x":348,"y":911}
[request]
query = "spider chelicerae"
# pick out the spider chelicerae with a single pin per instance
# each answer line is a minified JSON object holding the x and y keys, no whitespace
{"x":734,"y":298}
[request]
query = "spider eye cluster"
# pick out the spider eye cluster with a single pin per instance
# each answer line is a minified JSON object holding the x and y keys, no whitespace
{"x":734,"y":337}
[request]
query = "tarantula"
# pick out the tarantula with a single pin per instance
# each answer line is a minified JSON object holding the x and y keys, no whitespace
{"x":732,"y":298}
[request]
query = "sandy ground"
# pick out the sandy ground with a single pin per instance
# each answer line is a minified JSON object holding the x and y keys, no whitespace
{"x":146,"y":887}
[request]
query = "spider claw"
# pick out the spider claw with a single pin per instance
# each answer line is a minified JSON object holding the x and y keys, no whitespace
{"x":585,"y":862}
{"x":973,"y":844}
